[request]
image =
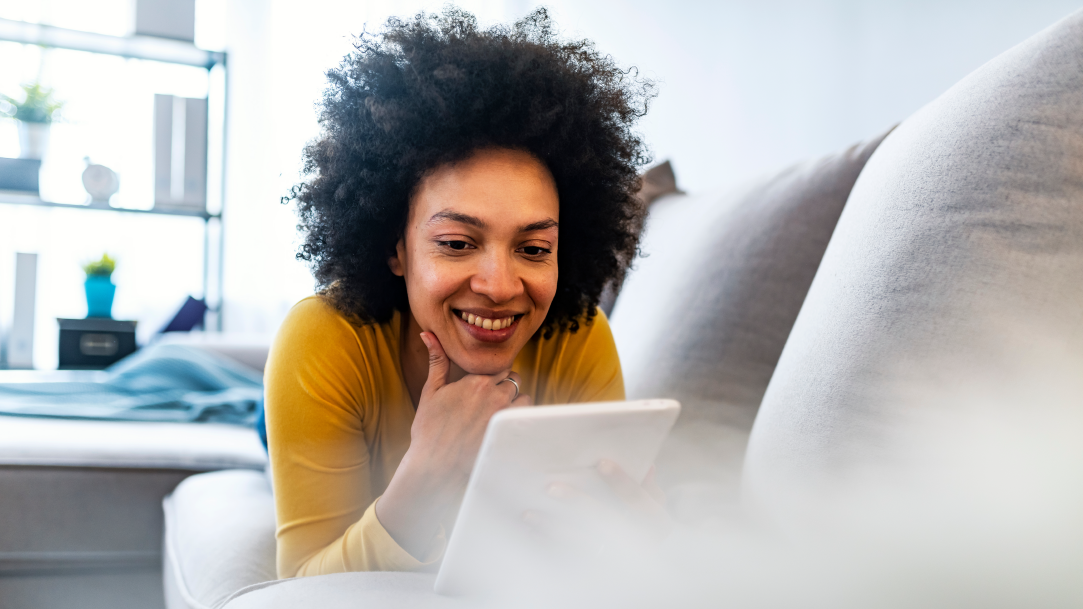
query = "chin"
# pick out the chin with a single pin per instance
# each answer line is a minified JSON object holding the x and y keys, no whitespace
{"x":487,"y":366}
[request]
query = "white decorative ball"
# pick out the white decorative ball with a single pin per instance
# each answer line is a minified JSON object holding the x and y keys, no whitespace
{"x":100,"y":181}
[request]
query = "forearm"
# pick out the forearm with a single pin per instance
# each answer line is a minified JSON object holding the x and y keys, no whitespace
{"x":366,"y":546}
{"x":416,"y":499}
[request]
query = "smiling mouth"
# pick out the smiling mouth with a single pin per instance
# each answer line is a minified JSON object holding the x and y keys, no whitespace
{"x":486,"y":323}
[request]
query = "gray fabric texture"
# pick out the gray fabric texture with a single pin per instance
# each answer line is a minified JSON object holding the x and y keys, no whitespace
{"x":963,"y":231}
{"x":67,"y":512}
{"x":703,"y":316}
{"x":83,"y":589}
{"x":348,"y":591}
{"x":219,"y":538}
{"x":82,"y":537}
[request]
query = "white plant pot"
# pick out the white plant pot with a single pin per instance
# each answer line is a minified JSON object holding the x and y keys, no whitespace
{"x":33,"y":140}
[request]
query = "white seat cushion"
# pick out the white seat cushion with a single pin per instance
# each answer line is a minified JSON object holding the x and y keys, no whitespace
{"x":219,"y":538}
{"x":347,"y":591}
{"x":963,"y":235}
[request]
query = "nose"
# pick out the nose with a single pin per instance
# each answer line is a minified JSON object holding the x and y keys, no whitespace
{"x":497,"y":278}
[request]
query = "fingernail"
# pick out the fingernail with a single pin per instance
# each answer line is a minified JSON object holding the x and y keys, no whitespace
{"x":425,"y":339}
{"x":606,"y":467}
{"x":557,"y":490}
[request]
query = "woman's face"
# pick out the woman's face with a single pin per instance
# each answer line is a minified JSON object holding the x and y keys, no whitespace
{"x":479,"y":256}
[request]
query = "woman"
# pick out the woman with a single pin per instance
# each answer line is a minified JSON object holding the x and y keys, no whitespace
{"x":471,"y":195}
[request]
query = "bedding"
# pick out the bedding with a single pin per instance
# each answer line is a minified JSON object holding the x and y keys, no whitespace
{"x":163,"y":382}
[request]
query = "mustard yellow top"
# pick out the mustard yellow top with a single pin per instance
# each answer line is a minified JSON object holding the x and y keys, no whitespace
{"x":338,"y":424}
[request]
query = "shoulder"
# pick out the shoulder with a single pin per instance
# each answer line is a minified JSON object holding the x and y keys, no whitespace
{"x":320,"y":354}
{"x":315,"y":331}
{"x":315,"y":317}
{"x":575,"y":366}
{"x":313,"y":313}
{"x":593,"y":333}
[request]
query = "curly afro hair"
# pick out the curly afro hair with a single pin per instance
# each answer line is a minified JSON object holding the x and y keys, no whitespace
{"x":433,"y":90}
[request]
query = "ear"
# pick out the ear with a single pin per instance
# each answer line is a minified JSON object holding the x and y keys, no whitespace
{"x":397,"y":263}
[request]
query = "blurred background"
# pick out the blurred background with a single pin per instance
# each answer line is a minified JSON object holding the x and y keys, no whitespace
{"x":745,"y":87}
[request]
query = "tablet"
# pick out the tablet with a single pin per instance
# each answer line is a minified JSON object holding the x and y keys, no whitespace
{"x":525,"y":450}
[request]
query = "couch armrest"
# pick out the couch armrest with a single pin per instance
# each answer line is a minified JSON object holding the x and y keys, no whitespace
{"x":219,"y":538}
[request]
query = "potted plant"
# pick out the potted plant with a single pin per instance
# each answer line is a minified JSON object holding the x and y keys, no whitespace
{"x":99,"y":287}
{"x":34,"y":113}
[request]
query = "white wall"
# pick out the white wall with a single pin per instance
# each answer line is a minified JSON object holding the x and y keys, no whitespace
{"x":745,"y":87}
{"x":748,"y":86}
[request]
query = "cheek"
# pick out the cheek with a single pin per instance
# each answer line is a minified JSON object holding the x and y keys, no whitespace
{"x":429,"y":283}
{"x":542,"y":288}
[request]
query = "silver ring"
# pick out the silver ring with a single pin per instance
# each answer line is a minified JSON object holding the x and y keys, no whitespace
{"x":512,"y":381}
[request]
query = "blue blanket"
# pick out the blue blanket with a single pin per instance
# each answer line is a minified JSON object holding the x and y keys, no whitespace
{"x":171,"y":383}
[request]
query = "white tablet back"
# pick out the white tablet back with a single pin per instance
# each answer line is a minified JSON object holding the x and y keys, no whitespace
{"x":523,"y":452}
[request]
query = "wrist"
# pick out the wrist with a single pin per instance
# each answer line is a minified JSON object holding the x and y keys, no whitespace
{"x":411,"y":508}
{"x":424,"y":475}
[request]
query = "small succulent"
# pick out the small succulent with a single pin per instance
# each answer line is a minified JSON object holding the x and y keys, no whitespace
{"x":100,"y":268}
{"x":38,"y":104}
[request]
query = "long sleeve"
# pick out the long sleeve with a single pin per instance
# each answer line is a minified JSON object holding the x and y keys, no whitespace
{"x":335,"y":435}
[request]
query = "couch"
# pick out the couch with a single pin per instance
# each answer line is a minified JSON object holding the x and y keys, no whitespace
{"x":81,"y":523}
{"x":807,"y":303}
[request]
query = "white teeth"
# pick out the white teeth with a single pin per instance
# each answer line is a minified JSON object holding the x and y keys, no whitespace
{"x":488,"y":324}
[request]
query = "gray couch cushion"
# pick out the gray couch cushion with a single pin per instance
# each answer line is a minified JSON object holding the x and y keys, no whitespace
{"x":219,"y":538}
{"x":346,"y":591}
{"x":704,"y":315}
{"x":963,"y":230}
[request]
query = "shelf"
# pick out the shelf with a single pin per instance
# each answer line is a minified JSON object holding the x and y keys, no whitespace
{"x":18,"y":198}
{"x":135,"y":47}
{"x":151,"y":49}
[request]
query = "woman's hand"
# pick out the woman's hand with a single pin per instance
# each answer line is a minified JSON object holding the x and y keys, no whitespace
{"x":644,"y":503}
{"x":452,"y":417}
{"x":628,"y":516}
{"x":444,"y":441}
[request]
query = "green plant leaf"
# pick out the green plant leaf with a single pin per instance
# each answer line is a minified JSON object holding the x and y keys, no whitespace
{"x":38,"y":106}
{"x":100,"y":268}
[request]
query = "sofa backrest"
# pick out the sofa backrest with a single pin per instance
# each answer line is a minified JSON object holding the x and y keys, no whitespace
{"x":963,"y":233}
{"x":704,"y":313}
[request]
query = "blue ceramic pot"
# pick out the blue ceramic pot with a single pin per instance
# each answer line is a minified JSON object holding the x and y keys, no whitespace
{"x":99,"y":296}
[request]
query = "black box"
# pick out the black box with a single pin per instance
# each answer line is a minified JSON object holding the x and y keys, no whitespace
{"x":95,"y":342}
{"x":19,"y":174}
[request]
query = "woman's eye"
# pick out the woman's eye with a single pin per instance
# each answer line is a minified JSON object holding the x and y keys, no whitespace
{"x":533,"y":250}
{"x":455,"y":245}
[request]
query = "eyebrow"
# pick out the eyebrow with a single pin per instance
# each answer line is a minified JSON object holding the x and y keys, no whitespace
{"x":469,"y":220}
{"x":455,"y":216}
{"x":542,"y":225}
